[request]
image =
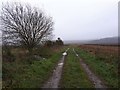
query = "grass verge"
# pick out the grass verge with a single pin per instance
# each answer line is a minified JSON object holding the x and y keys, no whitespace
{"x":73,"y":75}
{"x":107,"y":72}
{"x":24,"y":75}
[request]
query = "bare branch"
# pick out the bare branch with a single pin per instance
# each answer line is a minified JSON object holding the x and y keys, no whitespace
{"x":25,"y":24}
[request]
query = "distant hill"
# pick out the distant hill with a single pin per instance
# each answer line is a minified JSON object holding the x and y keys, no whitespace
{"x":75,"y":41}
{"x":106,"y":41}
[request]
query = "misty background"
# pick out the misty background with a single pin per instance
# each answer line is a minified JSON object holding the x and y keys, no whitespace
{"x":79,"y":19}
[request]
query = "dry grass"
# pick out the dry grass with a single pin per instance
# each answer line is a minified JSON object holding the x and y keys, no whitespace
{"x":107,"y":53}
{"x":103,"y":60}
{"x":101,"y":48}
{"x":21,"y":74}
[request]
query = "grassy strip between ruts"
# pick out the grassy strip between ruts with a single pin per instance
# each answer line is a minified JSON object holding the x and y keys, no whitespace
{"x":107,"y":72}
{"x":23,"y":75}
{"x":73,"y":75}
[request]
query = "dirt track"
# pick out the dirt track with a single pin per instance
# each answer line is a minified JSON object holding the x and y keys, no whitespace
{"x":53,"y":82}
{"x":96,"y":81}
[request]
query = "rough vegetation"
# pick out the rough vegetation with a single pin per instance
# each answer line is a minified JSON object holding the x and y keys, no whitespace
{"x":21,"y":73}
{"x":104,"y":62}
{"x":38,"y":67}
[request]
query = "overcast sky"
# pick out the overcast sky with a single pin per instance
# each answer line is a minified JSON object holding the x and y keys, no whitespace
{"x":80,"y":19}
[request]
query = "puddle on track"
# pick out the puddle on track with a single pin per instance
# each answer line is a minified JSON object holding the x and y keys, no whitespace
{"x":53,"y":82}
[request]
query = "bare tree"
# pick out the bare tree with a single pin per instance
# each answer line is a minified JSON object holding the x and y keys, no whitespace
{"x":25,"y":25}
